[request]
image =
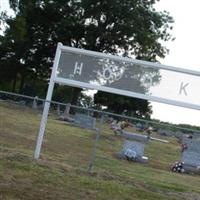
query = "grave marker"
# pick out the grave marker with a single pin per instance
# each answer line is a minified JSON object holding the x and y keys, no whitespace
{"x":133,"y":151}
{"x":191,"y":155}
{"x":84,"y":121}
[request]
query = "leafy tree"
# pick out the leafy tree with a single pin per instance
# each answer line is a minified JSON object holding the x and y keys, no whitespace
{"x":120,"y":104}
{"x":125,"y":27}
{"x":86,"y":101}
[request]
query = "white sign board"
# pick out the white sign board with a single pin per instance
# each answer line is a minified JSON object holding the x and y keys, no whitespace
{"x":124,"y":76}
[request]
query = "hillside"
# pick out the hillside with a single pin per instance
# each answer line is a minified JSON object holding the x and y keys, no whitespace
{"x":61,"y":172}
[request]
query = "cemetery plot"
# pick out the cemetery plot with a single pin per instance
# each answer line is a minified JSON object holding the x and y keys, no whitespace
{"x":190,"y":158}
{"x":137,"y":140}
{"x":65,"y":157}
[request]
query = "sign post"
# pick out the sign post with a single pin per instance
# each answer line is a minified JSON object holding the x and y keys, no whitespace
{"x":47,"y":105}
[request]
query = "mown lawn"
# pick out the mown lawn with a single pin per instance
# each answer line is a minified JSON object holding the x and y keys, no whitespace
{"x":61,"y":172}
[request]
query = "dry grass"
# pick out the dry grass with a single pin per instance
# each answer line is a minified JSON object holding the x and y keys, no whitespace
{"x":61,"y":171}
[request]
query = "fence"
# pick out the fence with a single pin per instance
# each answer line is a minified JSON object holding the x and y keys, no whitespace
{"x":81,"y":138}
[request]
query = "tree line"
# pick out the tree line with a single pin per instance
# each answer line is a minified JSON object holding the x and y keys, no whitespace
{"x":131,"y":28}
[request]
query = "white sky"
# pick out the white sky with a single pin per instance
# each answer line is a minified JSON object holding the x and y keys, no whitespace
{"x":4,"y":5}
{"x":184,"y":52}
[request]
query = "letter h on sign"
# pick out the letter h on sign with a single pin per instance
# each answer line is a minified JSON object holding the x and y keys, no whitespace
{"x":78,"y":68}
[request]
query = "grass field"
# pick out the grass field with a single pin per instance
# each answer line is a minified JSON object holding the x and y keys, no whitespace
{"x":61,"y":172}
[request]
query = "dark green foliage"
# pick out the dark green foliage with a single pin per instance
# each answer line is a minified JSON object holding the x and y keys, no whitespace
{"x":123,"y":105}
{"x":125,"y":27}
{"x":63,"y":93}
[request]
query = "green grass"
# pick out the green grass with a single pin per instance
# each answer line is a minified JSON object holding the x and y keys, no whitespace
{"x":61,"y":172}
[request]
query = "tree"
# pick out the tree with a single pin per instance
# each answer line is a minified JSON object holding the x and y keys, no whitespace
{"x":125,"y":27}
{"x":120,"y":104}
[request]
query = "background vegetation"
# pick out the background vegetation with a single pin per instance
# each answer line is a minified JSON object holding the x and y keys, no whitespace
{"x":130,"y":28}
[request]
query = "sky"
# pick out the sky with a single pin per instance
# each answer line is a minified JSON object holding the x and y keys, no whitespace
{"x":184,"y":52}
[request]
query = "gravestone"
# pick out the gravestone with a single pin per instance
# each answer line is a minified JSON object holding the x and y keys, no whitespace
{"x":66,"y":115}
{"x":140,"y":127}
{"x":133,"y":151}
{"x":135,"y":136}
{"x":58,"y":110}
{"x":191,"y":154}
{"x":84,"y":121}
{"x":164,"y":132}
{"x":22,"y":103}
{"x":35,"y":102}
{"x":67,"y":110}
{"x":169,"y":133}
{"x":178,"y":134}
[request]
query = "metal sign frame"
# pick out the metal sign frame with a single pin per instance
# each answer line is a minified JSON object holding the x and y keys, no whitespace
{"x":55,"y":79}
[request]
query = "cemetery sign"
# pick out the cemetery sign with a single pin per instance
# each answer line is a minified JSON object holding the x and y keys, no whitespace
{"x":120,"y":75}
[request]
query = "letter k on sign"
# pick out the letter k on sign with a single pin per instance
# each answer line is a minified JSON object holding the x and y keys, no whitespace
{"x":183,"y":88}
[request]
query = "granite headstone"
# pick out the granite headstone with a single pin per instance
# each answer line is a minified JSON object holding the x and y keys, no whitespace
{"x":191,"y":155}
{"x":84,"y":121}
